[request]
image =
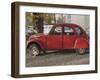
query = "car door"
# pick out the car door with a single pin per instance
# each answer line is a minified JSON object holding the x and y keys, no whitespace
{"x":54,"y":39}
{"x":69,"y":37}
{"x":82,"y":40}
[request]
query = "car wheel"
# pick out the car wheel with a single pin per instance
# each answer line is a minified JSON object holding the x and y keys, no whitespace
{"x":34,"y":50}
{"x":81,"y":51}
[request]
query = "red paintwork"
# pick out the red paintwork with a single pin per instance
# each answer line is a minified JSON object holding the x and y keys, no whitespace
{"x":62,"y":41}
{"x":81,"y":43}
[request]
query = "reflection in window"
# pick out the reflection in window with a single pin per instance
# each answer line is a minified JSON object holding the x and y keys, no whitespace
{"x":58,"y":29}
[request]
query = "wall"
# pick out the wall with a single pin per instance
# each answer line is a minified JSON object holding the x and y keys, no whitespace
{"x":81,"y":20}
{"x":5,"y":40}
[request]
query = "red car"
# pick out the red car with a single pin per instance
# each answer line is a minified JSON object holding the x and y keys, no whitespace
{"x":61,"y":36}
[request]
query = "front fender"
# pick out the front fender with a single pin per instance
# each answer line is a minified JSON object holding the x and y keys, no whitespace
{"x":81,"y":43}
{"x":29,"y":42}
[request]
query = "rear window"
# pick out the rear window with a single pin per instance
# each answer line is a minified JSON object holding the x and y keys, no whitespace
{"x":78,"y":31}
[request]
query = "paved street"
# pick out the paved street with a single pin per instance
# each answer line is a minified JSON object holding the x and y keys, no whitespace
{"x":55,"y":58}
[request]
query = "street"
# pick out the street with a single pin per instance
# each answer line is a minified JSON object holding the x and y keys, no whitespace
{"x":56,"y":58}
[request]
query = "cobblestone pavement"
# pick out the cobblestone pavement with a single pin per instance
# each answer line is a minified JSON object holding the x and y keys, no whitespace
{"x":57,"y":58}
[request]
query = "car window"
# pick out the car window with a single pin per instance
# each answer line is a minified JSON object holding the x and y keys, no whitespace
{"x":78,"y":30}
{"x":68,"y":31}
{"x":57,"y":30}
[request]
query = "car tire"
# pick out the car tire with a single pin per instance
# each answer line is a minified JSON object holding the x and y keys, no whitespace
{"x":81,"y":51}
{"x":34,"y":50}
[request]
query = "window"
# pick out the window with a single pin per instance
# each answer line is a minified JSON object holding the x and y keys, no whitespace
{"x":68,"y":31}
{"x":78,"y":30}
{"x":56,"y":30}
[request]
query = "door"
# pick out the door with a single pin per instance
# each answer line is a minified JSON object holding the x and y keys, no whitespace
{"x":82,"y":40}
{"x":69,"y":37}
{"x":54,"y":39}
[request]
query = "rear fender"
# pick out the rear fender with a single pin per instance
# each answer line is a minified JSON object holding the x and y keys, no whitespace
{"x":81,"y":43}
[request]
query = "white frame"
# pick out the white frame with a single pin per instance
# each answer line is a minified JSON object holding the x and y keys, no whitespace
{"x":53,"y":69}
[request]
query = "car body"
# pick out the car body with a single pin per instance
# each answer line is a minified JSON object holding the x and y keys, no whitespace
{"x":60,"y":37}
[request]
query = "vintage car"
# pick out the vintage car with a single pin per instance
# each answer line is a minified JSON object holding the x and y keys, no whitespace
{"x":60,"y":37}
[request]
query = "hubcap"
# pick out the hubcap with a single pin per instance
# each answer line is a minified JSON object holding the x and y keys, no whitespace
{"x":81,"y":51}
{"x":35,"y":51}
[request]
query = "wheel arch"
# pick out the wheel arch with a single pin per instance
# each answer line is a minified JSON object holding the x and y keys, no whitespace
{"x":38,"y":44}
{"x":81,"y":43}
